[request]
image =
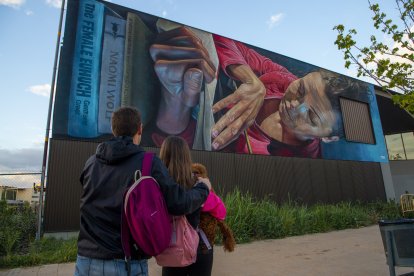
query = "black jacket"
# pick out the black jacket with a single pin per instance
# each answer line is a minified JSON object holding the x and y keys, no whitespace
{"x":104,"y":179}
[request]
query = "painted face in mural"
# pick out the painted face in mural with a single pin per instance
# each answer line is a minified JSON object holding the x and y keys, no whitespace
{"x":305,"y":109}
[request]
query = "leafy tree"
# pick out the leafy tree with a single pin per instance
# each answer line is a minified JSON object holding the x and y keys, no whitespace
{"x":389,"y":66}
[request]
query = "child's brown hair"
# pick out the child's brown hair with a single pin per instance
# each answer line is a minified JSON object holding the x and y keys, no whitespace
{"x":199,"y":170}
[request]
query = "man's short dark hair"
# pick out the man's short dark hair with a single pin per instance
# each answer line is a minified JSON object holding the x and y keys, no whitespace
{"x":126,"y":121}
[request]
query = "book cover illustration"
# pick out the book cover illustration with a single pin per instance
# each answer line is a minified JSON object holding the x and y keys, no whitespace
{"x":84,"y":92}
{"x":140,"y":86}
{"x":111,"y":71}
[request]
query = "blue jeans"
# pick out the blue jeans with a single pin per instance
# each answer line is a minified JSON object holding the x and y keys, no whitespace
{"x":88,"y":266}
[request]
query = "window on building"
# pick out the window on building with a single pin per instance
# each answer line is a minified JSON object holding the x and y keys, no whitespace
{"x":357,"y":121}
{"x":395,"y":147}
{"x":400,"y":146}
{"x":408,"y":142}
{"x":9,"y":194}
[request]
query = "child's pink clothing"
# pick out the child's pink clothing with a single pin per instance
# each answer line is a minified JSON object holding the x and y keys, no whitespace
{"x":214,"y":206}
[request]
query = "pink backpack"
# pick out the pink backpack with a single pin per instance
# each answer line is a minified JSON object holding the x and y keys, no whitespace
{"x":183,"y":247}
{"x":145,"y":217}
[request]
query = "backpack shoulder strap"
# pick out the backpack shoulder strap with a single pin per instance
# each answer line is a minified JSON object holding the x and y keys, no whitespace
{"x":147,"y":164}
{"x":204,"y":238}
{"x":125,"y":235}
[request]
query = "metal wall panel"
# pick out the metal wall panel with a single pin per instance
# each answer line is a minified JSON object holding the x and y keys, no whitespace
{"x":360,"y":190}
{"x":279,"y":178}
{"x":333,"y":181}
{"x":378,"y":181}
{"x":318,"y":180}
{"x":222,"y":172}
{"x":346,"y":179}
{"x":303,"y":183}
{"x":266,"y":175}
{"x":285,"y":189}
{"x":66,"y":161}
{"x":374,"y":181}
{"x":245,"y":174}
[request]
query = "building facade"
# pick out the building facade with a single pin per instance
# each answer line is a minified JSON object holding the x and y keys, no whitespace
{"x":316,"y":136}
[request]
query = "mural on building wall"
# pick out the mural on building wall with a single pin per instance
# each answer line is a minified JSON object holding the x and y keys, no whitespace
{"x":217,"y":93}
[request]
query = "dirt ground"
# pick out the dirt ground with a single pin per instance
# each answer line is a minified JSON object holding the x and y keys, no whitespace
{"x":346,"y":252}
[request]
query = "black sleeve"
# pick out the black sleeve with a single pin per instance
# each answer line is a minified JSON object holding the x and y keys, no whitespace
{"x":179,"y":200}
{"x":86,"y":169}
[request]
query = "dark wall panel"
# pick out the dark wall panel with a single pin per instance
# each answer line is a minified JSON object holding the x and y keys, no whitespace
{"x":360,"y":188}
{"x":284,"y":177}
{"x":66,"y":162}
{"x":266,"y":174}
{"x":346,"y":180}
{"x":222,"y":171}
{"x":318,"y":180}
{"x":333,"y":180}
{"x":302,"y":180}
{"x":245,"y":175}
{"x":373,"y":181}
{"x":200,"y":157}
{"x":303,"y":183}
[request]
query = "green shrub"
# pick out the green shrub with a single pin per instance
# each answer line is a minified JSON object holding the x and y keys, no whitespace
{"x":249,"y":219}
{"x":252,"y":219}
{"x":240,"y":214}
{"x":17,"y":228}
{"x":45,"y":251}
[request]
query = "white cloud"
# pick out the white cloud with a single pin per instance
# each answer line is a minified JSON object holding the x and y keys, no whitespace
{"x":41,"y":90}
{"x":19,"y":180}
{"x":29,"y":12}
{"x":353,"y":72}
{"x":164,"y":13}
{"x":274,"y":20}
{"x":29,"y":159}
{"x":12,"y":3}
{"x":54,"y":3}
{"x":387,"y":40}
{"x":39,"y":142}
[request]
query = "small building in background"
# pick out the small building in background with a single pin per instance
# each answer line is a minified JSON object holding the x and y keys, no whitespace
{"x":18,"y":194}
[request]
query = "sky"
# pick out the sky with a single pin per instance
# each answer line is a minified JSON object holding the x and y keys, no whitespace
{"x":28,"y":33}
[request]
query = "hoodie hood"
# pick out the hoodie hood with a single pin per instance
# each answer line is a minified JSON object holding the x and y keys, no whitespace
{"x":116,"y":150}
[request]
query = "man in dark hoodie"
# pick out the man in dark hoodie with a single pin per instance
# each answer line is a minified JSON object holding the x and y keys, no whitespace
{"x":105,"y":177}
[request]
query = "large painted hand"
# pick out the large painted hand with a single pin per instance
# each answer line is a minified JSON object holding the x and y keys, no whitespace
{"x":182,"y":63}
{"x":244,"y":104}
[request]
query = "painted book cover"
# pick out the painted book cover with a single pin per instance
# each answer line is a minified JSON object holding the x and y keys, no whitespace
{"x":111,"y":71}
{"x":140,"y":86}
{"x":84,"y":92}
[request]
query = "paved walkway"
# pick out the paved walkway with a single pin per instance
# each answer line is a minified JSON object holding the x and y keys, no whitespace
{"x":346,"y":252}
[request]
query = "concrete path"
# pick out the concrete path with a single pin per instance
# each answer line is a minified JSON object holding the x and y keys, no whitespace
{"x":346,"y":252}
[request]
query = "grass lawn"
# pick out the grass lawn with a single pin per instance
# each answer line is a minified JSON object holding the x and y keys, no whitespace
{"x":249,"y":219}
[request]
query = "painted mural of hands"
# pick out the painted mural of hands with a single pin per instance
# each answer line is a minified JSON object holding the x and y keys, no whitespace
{"x":182,"y":63}
{"x":244,"y":104}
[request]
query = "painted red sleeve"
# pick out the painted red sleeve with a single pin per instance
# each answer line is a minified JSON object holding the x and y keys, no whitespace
{"x":275,"y":77}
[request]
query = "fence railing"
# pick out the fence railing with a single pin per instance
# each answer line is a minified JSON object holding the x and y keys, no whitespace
{"x":20,"y":186}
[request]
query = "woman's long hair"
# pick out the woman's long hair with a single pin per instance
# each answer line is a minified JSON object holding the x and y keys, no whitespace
{"x":175,"y":154}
